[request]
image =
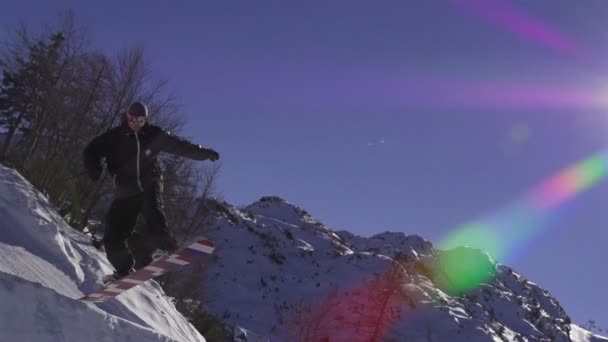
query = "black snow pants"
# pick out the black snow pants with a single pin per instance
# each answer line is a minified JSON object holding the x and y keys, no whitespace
{"x":126,"y":249}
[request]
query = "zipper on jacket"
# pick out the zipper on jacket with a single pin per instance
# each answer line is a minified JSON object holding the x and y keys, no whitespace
{"x":138,"y":178}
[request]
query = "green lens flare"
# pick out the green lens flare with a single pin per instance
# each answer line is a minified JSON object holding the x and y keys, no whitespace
{"x":591,"y":171}
{"x":464,"y":269}
{"x":477,"y":235}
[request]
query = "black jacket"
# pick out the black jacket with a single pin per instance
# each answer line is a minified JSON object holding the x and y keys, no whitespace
{"x":132,"y":159}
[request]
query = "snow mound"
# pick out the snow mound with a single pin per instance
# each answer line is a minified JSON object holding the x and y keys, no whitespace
{"x":45,"y":266}
{"x":40,"y":314}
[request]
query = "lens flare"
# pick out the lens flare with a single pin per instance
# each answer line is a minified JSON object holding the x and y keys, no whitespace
{"x":462,"y":270}
{"x":510,"y":18}
{"x":341,"y":89}
{"x":503,"y":232}
{"x":566,"y":184}
{"x":364,"y":312}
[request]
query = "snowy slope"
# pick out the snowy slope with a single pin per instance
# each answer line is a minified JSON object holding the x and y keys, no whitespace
{"x":45,"y":266}
{"x":273,"y":260}
{"x":277,"y":274}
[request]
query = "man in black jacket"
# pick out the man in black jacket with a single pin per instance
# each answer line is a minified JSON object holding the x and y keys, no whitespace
{"x":131,"y":155}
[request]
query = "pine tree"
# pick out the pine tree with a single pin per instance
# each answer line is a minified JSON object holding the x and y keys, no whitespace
{"x":26,"y":93}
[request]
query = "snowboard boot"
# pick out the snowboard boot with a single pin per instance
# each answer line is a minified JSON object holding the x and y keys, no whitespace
{"x":114,"y":276}
{"x":160,"y":253}
{"x":164,"y":249}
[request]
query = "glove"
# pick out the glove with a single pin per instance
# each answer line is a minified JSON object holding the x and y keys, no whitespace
{"x":213,"y":156}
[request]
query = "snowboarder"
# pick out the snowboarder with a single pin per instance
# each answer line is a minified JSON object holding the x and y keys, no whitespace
{"x":131,"y":155}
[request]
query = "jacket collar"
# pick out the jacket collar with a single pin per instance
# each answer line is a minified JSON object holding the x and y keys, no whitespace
{"x":124,"y":127}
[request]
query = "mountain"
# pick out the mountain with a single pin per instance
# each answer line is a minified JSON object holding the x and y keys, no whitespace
{"x":277,"y":274}
{"x":281,"y":273}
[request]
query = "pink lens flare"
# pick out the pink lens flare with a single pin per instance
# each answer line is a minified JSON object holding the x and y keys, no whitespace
{"x":506,"y":95}
{"x":510,"y":18}
{"x":316,"y":88}
{"x":569,"y":182}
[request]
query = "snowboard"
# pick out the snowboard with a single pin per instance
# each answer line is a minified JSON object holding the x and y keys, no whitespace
{"x":180,"y":258}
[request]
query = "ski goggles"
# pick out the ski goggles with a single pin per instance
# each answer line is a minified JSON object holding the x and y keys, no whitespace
{"x":138,"y":119}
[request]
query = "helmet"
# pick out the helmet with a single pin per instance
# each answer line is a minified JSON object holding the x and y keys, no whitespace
{"x":138,"y":109}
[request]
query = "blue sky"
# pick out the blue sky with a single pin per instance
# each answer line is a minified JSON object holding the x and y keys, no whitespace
{"x":377,"y":116}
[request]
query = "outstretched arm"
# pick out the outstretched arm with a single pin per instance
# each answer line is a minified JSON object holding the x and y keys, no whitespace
{"x":92,"y":155}
{"x":184,"y":148}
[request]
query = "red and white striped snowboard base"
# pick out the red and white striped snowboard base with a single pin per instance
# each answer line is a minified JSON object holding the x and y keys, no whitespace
{"x":180,"y":258}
